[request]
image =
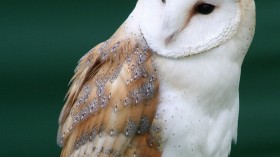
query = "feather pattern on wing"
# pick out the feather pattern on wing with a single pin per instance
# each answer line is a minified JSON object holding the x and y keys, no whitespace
{"x":111,"y":102}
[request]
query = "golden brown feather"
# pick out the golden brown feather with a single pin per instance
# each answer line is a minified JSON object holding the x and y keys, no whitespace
{"x":111,"y":102}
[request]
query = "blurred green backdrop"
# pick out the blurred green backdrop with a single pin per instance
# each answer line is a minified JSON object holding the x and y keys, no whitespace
{"x":41,"y":42}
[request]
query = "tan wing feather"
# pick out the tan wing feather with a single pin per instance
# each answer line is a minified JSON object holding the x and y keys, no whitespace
{"x":111,"y":103}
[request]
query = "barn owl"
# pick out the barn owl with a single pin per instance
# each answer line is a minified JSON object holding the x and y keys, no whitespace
{"x":165,"y":84}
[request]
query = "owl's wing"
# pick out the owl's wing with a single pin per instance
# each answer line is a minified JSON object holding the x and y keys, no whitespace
{"x":111,"y":103}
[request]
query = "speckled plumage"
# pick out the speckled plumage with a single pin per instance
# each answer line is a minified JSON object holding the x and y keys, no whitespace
{"x":111,"y":102}
{"x":158,"y":87}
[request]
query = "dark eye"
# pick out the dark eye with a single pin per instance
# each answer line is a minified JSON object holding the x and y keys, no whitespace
{"x":204,"y":8}
{"x":163,"y":1}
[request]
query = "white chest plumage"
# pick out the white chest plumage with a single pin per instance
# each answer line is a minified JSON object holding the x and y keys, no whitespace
{"x":198,"y":105}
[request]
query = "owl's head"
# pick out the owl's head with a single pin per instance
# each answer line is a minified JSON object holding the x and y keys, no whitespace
{"x":179,"y":28}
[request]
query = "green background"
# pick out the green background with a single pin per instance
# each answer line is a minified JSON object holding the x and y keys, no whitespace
{"x":41,"y":42}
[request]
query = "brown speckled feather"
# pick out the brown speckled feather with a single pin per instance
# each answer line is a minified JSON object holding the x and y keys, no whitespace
{"x":111,"y":103}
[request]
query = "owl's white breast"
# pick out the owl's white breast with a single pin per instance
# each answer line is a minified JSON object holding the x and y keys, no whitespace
{"x":199,"y":103}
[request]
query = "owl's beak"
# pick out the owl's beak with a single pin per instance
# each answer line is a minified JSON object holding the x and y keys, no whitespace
{"x":172,"y":33}
{"x":169,"y":38}
{"x":175,"y":19}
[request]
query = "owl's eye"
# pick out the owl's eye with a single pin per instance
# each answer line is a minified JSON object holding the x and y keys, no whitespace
{"x":163,"y":1}
{"x":204,"y":8}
